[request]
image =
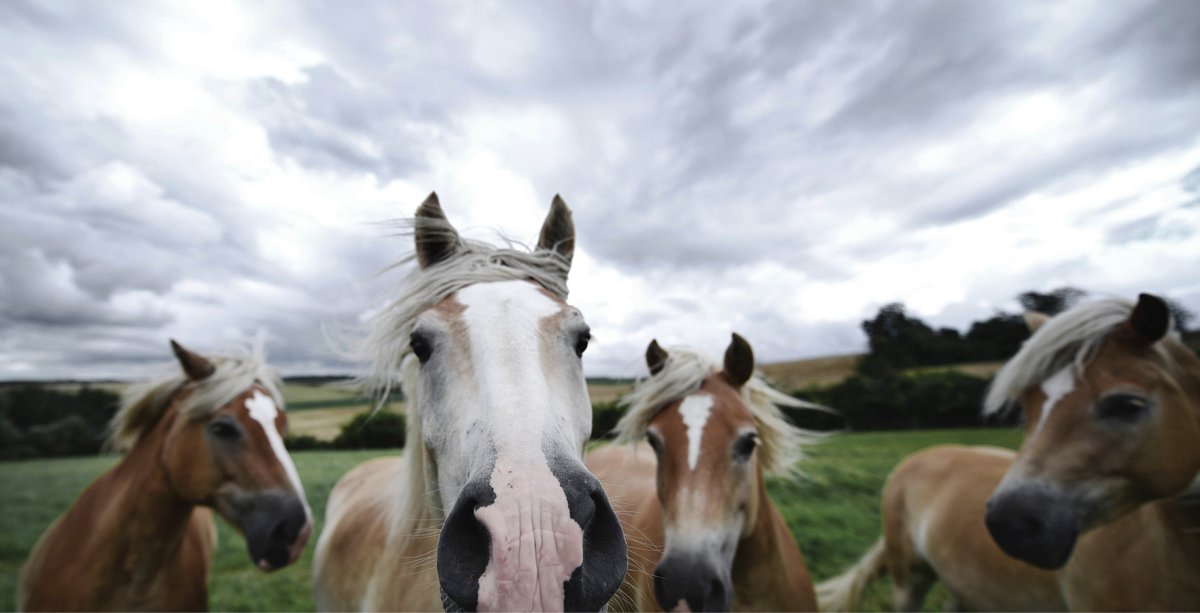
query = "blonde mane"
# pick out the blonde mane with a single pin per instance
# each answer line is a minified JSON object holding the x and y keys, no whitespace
{"x":142,"y":404}
{"x":685,"y":369}
{"x":387,"y":357}
{"x":386,"y":343}
{"x":1070,"y":339}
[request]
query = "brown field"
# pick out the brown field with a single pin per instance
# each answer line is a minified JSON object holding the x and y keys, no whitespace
{"x":981,"y":370}
{"x":797,"y":374}
{"x":325,"y":424}
{"x":73,"y":386}
{"x":607,"y":392}
{"x":333,"y":391}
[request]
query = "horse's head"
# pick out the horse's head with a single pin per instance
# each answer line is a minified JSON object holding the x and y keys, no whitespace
{"x":708,"y":480}
{"x":504,"y":416}
{"x":232,"y":458}
{"x":1110,"y":403}
{"x":715,"y":429}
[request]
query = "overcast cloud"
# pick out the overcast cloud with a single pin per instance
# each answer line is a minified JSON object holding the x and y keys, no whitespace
{"x":205,"y":171}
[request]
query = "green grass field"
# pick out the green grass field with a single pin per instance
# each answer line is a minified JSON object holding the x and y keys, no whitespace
{"x":833,"y":510}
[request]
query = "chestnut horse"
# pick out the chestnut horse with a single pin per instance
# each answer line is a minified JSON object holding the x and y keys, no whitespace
{"x":933,"y":529}
{"x":1116,"y":459}
{"x":700,"y":514}
{"x":1103,"y":486}
{"x":141,"y":536}
{"x":491,"y":507}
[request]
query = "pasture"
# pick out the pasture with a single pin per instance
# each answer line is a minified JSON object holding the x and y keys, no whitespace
{"x":833,"y":509}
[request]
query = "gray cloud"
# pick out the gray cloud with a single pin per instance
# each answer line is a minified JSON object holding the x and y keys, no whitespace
{"x":749,"y":166}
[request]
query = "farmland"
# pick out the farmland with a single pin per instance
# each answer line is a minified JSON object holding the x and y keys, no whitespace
{"x":833,"y":510}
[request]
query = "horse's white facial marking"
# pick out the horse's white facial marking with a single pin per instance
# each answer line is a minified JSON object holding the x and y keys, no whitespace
{"x":695,"y":410}
{"x":263,"y":410}
{"x":503,"y":321}
{"x":529,"y":523}
{"x":1055,"y":388}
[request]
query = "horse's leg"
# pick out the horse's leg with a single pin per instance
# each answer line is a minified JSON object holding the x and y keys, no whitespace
{"x":910,"y":585}
{"x":953,"y":604}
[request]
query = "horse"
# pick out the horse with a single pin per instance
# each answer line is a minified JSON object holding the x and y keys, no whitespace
{"x":933,"y":530}
{"x":490,"y":507}
{"x":998,"y":527}
{"x":1103,"y":488}
{"x":141,"y":536}
{"x":694,"y":494}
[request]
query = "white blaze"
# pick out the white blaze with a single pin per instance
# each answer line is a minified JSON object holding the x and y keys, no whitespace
{"x":535,"y":545}
{"x":263,"y":410}
{"x":1055,"y":388}
{"x":695,"y":409}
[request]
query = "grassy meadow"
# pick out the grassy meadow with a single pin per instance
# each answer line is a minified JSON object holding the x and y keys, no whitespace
{"x":833,"y":510}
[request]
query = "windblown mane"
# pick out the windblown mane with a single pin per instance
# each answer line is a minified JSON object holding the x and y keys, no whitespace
{"x":143,"y":403}
{"x":386,"y":344}
{"x":1071,"y":339}
{"x":682,"y":374}
{"x":385,"y":352}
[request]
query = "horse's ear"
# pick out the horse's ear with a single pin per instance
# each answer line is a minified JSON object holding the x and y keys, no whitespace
{"x":739,"y":361}
{"x":195,"y":366}
{"x":1151,"y":319}
{"x":558,"y":231}
{"x":1035,"y":320}
{"x":435,"y":238}
{"x":656,"y":357}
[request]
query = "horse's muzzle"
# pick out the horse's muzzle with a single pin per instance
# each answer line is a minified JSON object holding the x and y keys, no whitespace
{"x":1035,"y":525}
{"x":521,"y":541}
{"x":276,"y":526}
{"x":693,"y":579}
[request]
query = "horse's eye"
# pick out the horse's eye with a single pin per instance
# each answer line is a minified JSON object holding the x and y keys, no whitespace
{"x":1123,"y":408}
{"x":744,"y":445}
{"x":421,"y":347}
{"x":224,"y":430}
{"x":581,"y":342}
{"x":654,"y":442}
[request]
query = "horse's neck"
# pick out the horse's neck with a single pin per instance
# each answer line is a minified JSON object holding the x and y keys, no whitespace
{"x":1176,"y":532}
{"x":1147,"y":560}
{"x":142,"y":521}
{"x":412,"y":537}
{"x":768,"y":570}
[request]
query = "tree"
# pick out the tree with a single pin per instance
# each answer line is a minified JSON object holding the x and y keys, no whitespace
{"x":997,"y":338}
{"x":380,"y":430}
{"x":898,"y":340}
{"x":1053,"y":303}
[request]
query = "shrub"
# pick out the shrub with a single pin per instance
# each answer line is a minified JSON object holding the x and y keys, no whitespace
{"x":306,"y":442}
{"x":605,"y":416}
{"x":70,"y":435}
{"x":380,"y":430}
{"x":936,"y":399}
{"x":39,"y":421}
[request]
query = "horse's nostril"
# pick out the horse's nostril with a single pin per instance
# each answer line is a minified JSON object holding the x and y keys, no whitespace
{"x":464,"y":548}
{"x":587,"y":509}
{"x":279,"y":532}
{"x":1032,"y":527}
{"x":604,"y":554}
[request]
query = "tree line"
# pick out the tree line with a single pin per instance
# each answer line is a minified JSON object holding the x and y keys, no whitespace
{"x":905,"y":380}
{"x":38,"y":421}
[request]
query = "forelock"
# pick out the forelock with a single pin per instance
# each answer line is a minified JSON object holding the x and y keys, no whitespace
{"x":143,"y":403}
{"x":1068,"y":340}
{"x":682,"y":374}
{"x":383,"y":346}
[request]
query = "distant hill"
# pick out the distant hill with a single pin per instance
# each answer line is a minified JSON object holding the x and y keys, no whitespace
{"x":797,"y":374}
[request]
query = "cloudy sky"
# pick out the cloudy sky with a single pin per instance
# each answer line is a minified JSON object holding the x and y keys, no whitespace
{"x":205,"y":171}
